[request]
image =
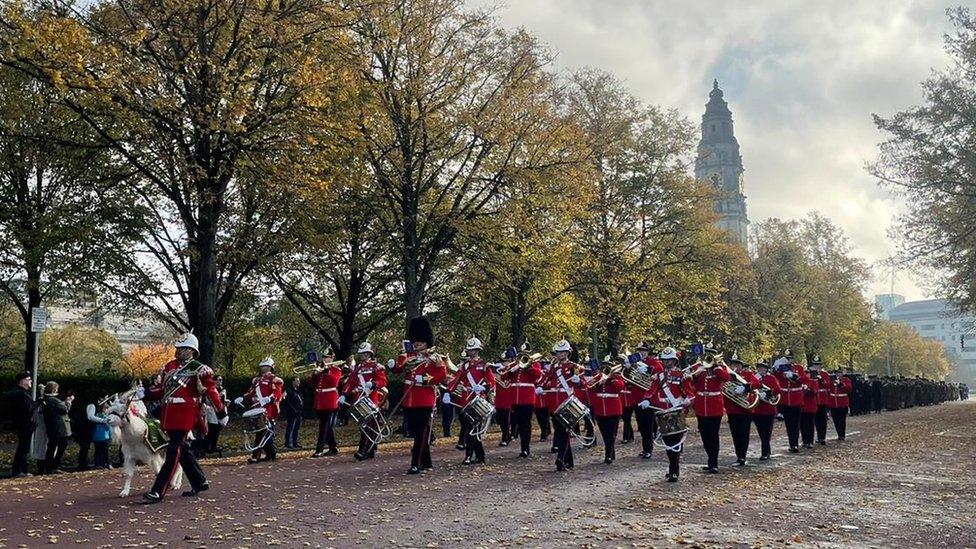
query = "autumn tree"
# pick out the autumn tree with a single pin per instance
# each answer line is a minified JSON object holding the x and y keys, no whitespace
{"x":446,"y":114}
{"x":65,"y":219}
{"x":76,"y":349}
{"x":227,"y":113}
{"x":929,"y":159}
{"x":908,"y":354}
{"x":651,"y":222}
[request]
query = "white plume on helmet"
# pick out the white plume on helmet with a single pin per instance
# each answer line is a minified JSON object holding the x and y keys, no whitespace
{"x":562,"y":345}
{"x":188,"y":341}
{"x":473,"y":343}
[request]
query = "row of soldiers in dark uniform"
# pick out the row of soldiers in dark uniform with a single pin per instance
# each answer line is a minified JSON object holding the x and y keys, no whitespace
{"x":876,"y":393}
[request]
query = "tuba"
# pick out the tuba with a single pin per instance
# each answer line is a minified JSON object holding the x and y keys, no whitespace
{"x":634,"y":377}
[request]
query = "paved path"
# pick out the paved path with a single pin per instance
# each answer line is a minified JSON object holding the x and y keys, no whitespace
{"x":902,"y":479}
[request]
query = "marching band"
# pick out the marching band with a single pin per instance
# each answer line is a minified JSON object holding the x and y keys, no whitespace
{"x":655,"y":389}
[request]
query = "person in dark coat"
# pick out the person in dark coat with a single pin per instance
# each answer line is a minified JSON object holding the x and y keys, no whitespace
{"x":22,"y":410}
{"x":293,"y":406}
{"x":58,"y":426}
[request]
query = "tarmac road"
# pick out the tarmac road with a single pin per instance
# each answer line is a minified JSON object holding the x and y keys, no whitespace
{"x":902,"y":479}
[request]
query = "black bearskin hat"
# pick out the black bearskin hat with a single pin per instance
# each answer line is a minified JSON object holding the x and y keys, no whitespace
{"x":421,"y":330}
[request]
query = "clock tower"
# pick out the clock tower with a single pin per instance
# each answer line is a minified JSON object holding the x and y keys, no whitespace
{"x":720,"y":163}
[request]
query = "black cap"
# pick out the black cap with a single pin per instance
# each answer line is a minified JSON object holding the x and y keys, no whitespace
{"x":421,"y":330}
{"x":22,"y":376}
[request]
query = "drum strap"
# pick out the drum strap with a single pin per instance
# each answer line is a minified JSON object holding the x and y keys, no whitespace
{"x":670,"y":396}
{"x":563,"y":382}
{"x":471,"y":382}
{"x":362,"y":380}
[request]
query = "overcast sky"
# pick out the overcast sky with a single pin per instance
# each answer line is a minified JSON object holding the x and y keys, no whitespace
{"x":802,"y":79}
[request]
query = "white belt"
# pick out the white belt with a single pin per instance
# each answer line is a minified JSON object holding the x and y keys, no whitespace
{"x":326,"y":390}
{"x":522,"y":385}
{"x":551,"y":390}
{"x":793,"y":389}
{"x":625,"y":391}
{"x":607,"y":395}
{"x":709,"y":393}
{"x":177,"y":400}
{"x":838,"y":395}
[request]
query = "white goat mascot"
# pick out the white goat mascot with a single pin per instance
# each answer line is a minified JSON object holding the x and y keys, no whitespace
{"x":127,"y":414}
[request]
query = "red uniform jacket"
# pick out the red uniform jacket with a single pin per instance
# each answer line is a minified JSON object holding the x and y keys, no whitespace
{"x":823,"y":379}
{"x":181,"y":411}
{"x":585,"y":393}
{"x":434,"y":369}
{"x":708,"y":382}
{"x":475,"y":370}
{"x":503,"y":397}
{"x":810,"y":395}
{"x":764,"y":409}
{"x":606,"y":399}
{"x":733,"y":408}
{"x":541,"y":401}
{"x":326,"y":384}
{"x":838,"y":394}
{"x":367,"y":371}
{"x":793,"y":389}
{"x":555,"y":392}
{"x":675,"y":382}
{"x":270,"y":386}
{"x":522,"y":383}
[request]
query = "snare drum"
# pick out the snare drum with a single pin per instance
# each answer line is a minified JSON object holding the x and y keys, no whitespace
{"x":672,"y":422}
{"x":255,"y":419}
{"x":568,"y":414}
{"x":363,"y":410}
{"x":478,"y":410}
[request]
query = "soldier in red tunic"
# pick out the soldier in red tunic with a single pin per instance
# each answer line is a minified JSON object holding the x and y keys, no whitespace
{"x":710,"y":404}
{"x":838,"y":400}
{"x":367,"y":379}
{"x":670,"y":389}
{"x":503,"y":400}
{"x":560,"y":383}
{"x":523,"y":376}
{"x":740,"y":419}
{"x":183,"y":383}
{"x":793,"y":382}
{"x":646,"y":422}
{"x":325,"y":383}
{"x":265,"y":392}
{"x":474,"y":378}
{"x":808,"y":414}
{"x":764,"y":414}
{"x":423,"y":371}
{"x":607,"y":404}
{"x":823,"y":388}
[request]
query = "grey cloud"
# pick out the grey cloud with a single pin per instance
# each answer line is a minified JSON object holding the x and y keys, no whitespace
{"x":802,"y":79}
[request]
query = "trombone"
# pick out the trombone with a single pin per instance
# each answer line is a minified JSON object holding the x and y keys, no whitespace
{"x":319,"y":366}
{"x":521,"y":362}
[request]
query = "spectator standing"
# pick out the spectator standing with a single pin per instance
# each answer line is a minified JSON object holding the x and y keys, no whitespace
{"x":58,"y":426}
{"x":22,"y":408}
{"x":294,"y":408}
{"x":213,"y":424}
{"x":101,"y":433}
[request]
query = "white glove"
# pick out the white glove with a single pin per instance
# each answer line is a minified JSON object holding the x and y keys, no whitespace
{"x":418,"y":379}
{"x":644,"y":404}
{"x":574,"y":379}
{"x":660,"y":376}
{"x":686,"y":401}
{"x":223,"y":421}
{"x":264,"y":401}
{"x":342,"y":399}
{"x":446,"y":399}
{"x":478,"y":388}
{"x":140,"y":393}
{"x":642,"y":369}
{"x":390,"y":363}
{"x":368,"y":385}
{"x":739,"y":389}
{"x":239,"y":401}
{"x":538,"y":390}
{"x":789,"y":375}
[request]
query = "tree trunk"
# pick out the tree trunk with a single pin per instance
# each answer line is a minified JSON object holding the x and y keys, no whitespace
{"x":203,"y":286}
{"x":613,"y":336}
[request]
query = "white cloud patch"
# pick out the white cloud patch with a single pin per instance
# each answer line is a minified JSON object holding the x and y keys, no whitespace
{"x":802,"y":79}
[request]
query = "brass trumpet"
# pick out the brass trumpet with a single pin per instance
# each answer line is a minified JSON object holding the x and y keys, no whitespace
{"x":319,"y":366}
{"x":522,"y":361}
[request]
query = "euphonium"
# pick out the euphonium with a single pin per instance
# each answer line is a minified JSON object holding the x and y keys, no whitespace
{"x":748,"y":399}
